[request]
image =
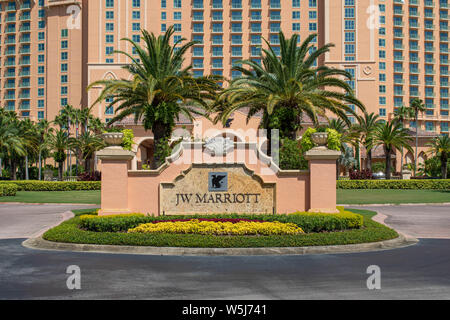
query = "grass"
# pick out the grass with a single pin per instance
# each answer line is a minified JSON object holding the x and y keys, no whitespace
{"x":372,"y":231}
{"x":380,"y":196}
{"x":89,"y":197}
{"x":347,"y":196}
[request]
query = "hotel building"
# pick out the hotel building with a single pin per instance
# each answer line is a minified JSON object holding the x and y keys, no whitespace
{"x":396,"y":49}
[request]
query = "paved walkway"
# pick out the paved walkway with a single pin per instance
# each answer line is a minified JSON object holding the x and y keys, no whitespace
{"x":26,"y":221}
{"x":419,"y":221}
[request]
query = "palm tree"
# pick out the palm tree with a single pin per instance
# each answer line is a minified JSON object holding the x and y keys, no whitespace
{"x":11,"y":143}
{"x":58,"y":143}
{"x":441,"y":147}
{"x":85,"y":146}
{"x":160,"y":89}
{"x":391,"y":136}
{"x":418,"y":106}
{"x":44,"y":131}
{"x":349,"y":136}
{"x":367,"y":125}
{"x":28,"y":132}
{"x":402,"y":114}
{"x":286,"y":88}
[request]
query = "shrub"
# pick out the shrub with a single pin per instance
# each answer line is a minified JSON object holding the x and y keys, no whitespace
{"x":413,"y":184}
{"x":196,"y":226}
{"x":8,"y":190}
{"x":90,"y":176}
{"x":127,"y":140}
{"x":309,"y":222}
{"x":333,"y":142}
{"x":291,"y":157}
{"x":35,"y":185}
{"x":364,"y":174}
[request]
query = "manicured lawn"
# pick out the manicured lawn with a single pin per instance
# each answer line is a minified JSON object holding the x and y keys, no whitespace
{"x":371,"y":231}
{"x":359,"y":196}
{"x":344,"y":196}
{"x":89,"y":197}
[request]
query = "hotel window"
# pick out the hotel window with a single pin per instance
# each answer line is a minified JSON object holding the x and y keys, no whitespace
{"x":236,"y":15}
{"x":295,"y":3}
{"x":64,"y":101}
{"x":236,"y":39}
{"x":64,"y":55}
{"x":198,"y":73}
{"x":313,"y":15}
{"x":163,"y":27}
{"x":109,"y":110}
{"x":64,"y":79}
{"x":41,"y":24}
{"x":216,"y":39}
{"x":217,"y":51}
{"x":41,"y":47}
{"x":198,"y":52}
{"x":109,"y":15}
{"x":197,"y":63}
{"x":177,"y":15}
{"x":136,"y":26}
{"x":217,"y":27}
{"x":136,"y":15}
{"x":109,"y":50}
{"x":217,"y":4}
{"x":110,"y":3}
{"x":64,"y":67}
{"x":217,"y":16}
{"x":177,"y":27}
{"x":236,"y":51}
{"x":109,"y":38}
{"x":41,"y":81}
{"x":41,"y":36}
{"x":41,"y":69}
{"x":312,"y":3}
{"x":64,"y":33}
{"x":40,"y":115}
{"x":313,"y":27}
{"x":41,"y":92}
{"x":136,"y":38}
{"x":177,"y":4}
{"x":109,"y":27}
{"x":64,"y":44}
{"x":429,"y":126}
{"x":41,"y":58}
{"x":136,"y":3}
{"x":296,"y":15}
{"x":382,"y":112}
{"x":382,"y":101}
{"x":63,"y":91}
{"x":163,"y":4}
{"x":236,"y":27}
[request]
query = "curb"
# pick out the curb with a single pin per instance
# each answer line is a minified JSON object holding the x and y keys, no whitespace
{"x":395,"y":204}
{"x":50,"y":203}
{"x":41,"y":244}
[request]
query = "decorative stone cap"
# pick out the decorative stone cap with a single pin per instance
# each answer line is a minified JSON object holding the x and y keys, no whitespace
{"x":115,"y":154}
{"x":319,"y":153}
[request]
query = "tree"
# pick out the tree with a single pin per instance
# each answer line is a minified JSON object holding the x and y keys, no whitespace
{"x":284,"y":89}
{"x":391,"y":136}
{"x":441,"y":147}
{"x":85,"y":146}
{"x":160,"y":88}
{"x":59,"y":143}
{"x":367,"y":125}
{"x":43,"y":133}
{"x":402,"y":114}
{"x":11,"y":142}
{"x":418,"y":106}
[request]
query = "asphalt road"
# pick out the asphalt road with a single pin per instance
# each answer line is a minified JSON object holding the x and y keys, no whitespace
{"x":421,"y":271}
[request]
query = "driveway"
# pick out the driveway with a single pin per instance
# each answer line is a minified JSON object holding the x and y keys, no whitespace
{"x":419,"y":221}
{"x":415,"y":272}
{"x":28,"y":220}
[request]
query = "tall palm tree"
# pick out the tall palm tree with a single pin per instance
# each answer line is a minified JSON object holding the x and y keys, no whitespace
{"x":85,"y":146}
{"x":28,"y":131}
{"x":44,"y":130}
{"x":160,"y":88}
{"x":367,"y":125}
{"x":286,"y":88}
{"x":441,"y":147}
{"x":402,"y":114}
{"x":58,"y":143}
{"x":11,"y":142}
{"x":418,"y":106}
{"x":391,"y":135}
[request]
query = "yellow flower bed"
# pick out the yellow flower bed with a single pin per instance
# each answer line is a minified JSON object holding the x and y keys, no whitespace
{"x":219,"y":228}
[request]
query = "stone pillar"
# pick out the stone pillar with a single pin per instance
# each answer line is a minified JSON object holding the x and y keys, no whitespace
{"x":322,"y":182}
{"x":114,"y":193}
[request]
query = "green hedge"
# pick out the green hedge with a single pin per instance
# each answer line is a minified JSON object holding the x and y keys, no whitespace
{"x":309,"y":222}
{"x":8,"y":190}
{"x":70,"y":232}
{"x":35,"y":185}
{"x":435,"y":184}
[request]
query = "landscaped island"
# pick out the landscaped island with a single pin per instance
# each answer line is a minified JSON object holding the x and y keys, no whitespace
{"x":222,"y":231}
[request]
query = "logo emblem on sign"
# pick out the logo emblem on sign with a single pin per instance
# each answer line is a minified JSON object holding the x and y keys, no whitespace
{"x":218,"y":181}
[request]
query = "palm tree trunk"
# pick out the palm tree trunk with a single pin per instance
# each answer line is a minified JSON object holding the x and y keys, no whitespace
{"x":388,"y":164}
{"x":40,"y":164}
{"x":1,"y":168}
{"x":417,"y":141}
{"x":60,"y":171}
{"x":26,"y":168}
{"x":401,"y":162}
{"x":369,"y":159}
{"x":269,"y":142}
{"x":12,"y":168}
{"x":159,"y":131}
{"x":444,"y":160}
{"x":358,"y":157}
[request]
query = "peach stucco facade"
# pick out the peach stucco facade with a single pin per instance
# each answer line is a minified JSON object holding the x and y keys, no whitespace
{"x":397,"y":50}
{"x":126,"y":191}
